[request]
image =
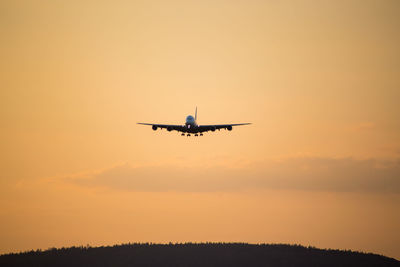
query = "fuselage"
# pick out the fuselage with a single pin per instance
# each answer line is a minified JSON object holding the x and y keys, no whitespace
{"x":191,"y":125}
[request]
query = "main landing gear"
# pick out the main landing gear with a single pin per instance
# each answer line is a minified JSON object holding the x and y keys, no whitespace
{"x":183,"y":134}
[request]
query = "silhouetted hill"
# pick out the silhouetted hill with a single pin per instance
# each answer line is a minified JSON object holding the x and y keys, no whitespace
{"x":189,"y":254}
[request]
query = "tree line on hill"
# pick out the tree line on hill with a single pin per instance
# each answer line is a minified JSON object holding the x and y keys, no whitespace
{"x":194,"y":254}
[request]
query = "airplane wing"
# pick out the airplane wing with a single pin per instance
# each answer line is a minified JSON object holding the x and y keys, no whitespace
{"x":206,"y":128}
{"x":169,"y":127}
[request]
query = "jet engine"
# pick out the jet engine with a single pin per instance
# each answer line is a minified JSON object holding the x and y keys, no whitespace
{"x":213,"y":129}
{"x":169,"y":128}
{"x":154,"y":127}
{"x":229,"y":128}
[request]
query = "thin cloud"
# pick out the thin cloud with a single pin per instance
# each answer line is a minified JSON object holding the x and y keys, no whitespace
{"x":365,"y":126}
{"x":317,"y":174}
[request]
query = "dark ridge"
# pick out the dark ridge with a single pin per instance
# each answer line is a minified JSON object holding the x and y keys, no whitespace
{"x":195,"y":254}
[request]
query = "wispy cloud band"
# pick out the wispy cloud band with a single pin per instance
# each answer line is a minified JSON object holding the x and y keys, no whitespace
{"x":317,"y":174}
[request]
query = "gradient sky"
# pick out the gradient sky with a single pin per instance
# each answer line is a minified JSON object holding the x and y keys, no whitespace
{"x":319,"y":80}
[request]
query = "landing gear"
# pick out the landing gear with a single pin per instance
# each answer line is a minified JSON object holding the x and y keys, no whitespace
{"x":195,"y":134}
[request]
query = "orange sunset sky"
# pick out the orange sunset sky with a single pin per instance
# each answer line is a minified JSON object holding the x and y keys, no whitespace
{"x":319,"y":80}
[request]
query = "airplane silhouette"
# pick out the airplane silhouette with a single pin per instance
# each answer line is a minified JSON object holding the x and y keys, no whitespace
{"x":191,"y":126}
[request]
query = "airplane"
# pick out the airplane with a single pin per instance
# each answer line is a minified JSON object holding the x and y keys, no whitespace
{"x":191,"y":126}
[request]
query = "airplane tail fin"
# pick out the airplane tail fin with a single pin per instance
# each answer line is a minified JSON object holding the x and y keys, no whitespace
{"x":195,"y":115}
